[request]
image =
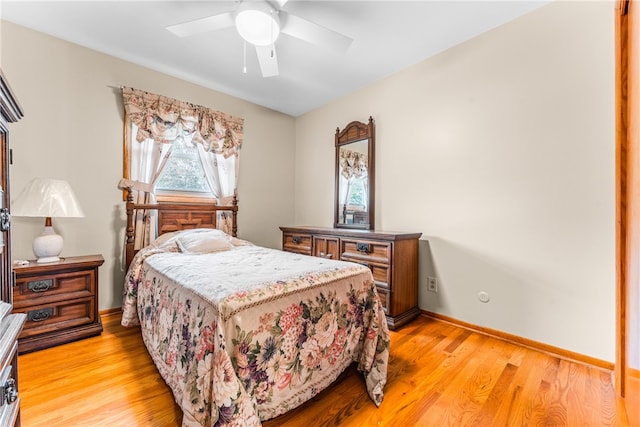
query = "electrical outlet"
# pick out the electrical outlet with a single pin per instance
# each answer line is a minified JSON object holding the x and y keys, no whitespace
{"x":483,"y":296}
{"x":432,"y":284}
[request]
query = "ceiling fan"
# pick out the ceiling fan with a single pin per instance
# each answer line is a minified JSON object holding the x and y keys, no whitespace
{"x":260,"y":22}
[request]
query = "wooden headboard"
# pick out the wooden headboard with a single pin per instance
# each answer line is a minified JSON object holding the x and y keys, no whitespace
{"x":177,"y":216}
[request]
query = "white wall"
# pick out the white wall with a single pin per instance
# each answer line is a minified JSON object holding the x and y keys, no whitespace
{"x":73,"y":129}
{"x":501,"y":152}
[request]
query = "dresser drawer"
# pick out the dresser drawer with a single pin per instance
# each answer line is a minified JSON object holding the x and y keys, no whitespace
{"x":45,"y":318}
{"x":384,"y":298}
{"x":299,"y":243}
{"x":326,"y":247}
{"x":366,"y":251}
{"x":44,"y":289}
{"x":381,"y":275}
{"x":9,"y":411}
{"x":10,"y":327}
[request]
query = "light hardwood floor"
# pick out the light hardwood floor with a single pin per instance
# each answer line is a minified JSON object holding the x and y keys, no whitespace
{"x":439,"y":375}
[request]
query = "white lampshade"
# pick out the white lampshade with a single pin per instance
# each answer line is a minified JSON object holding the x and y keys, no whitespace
{"x":257,"y":23}
{"x":44,"y":197}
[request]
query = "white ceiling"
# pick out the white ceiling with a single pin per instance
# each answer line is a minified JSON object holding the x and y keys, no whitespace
{"x":388,"y":36}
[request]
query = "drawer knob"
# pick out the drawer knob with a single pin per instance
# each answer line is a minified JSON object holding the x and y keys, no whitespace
{"x":40,"y":315}
{"x":40,"y":285}
{"x":363,"y":247}
{"x":10,"y":391}
{"x":296,"y":239}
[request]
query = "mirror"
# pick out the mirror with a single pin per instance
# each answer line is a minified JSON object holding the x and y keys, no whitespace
{"x":355,"y":176}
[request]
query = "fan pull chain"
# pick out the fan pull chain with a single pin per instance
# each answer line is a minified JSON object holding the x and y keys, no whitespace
{"x":244,"y":57}
{"x":273,"y":43}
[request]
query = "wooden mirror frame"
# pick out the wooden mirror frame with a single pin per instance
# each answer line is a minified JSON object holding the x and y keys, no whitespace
{"x":356,"y":132}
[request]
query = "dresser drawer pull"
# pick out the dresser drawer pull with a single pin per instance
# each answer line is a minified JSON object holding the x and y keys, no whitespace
{"x":363,"y":247}
{"x":296,"y":240}
{"x":10,"y":391}
{"x":40,"y":315}
{"x":40,"y":285}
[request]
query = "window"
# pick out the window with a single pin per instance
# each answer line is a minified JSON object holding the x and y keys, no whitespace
{"x":357,"y":194}
{"x":183,"y":175}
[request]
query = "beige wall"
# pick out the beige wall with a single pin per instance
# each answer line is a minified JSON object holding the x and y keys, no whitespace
{"x":501,"y":152}
{"x":72,"y":130}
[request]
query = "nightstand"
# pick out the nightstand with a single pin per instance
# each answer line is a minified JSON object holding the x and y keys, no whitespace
{"x":60,"y":300}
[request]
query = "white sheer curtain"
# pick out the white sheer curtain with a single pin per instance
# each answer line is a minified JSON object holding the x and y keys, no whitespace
{"x":221,"y":173}
{"x":146,"y":161}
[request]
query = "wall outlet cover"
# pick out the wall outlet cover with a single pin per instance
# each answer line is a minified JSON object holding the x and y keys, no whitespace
{"x":432,"y":284}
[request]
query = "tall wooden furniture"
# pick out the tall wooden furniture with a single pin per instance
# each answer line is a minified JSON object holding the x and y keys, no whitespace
{"x":392,"y":258}
{"x":60,"y":300}
{"x":10,"y":324}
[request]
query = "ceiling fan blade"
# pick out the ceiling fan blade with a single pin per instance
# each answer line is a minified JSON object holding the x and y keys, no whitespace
{"x":313,"y":33}
{"x":203,"y":25}
{"x":268,"y":60}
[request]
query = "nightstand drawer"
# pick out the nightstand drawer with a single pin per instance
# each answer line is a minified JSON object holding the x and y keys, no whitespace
{"x":43,"y":289}
{"x":45,"y":318}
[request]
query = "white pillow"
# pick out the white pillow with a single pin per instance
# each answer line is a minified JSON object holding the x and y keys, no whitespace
{"x":172,"y":235}
{"x":239,"y":242}
{"x":166,"y":242}
{"x":204,"y":242}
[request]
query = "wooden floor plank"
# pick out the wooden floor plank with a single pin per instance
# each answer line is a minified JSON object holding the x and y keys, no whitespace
{"x":439,"y":375}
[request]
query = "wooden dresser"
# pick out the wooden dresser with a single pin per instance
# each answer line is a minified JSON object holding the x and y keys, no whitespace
{"x":60,"y":300}
{"x":10,"y":323}
{"x":392,"y":258}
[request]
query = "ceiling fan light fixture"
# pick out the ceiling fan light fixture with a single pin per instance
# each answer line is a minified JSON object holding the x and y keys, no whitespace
{"x":257,"y":23}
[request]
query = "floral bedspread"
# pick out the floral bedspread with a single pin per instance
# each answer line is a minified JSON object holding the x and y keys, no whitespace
{"x":246,"y":334}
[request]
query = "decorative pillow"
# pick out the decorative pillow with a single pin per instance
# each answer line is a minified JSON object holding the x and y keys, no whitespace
{"x":172,"y":235}
{"x":200,"y":243}
{"x":165,"y":238}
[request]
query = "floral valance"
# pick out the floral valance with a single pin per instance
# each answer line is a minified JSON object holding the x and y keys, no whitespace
{"x":165,"y":119}
{"x":353,"y":164}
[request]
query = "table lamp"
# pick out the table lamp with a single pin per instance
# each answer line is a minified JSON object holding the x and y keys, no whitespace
{"x":44,"y":197}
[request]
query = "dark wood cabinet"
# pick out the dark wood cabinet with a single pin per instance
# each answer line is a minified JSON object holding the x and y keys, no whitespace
{"x":10,"y":323}
{"x":392,"y":258}
{"x":60,"y":301}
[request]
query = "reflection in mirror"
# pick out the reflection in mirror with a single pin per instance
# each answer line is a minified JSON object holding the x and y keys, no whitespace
{"x":355,"y":176}
{"x":353,"y":188}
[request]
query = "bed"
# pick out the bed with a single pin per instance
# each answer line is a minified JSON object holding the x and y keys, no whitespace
{"x":243,"y":333}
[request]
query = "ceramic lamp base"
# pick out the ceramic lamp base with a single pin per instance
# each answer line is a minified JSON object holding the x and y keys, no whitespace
{"x":48,"y":246}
